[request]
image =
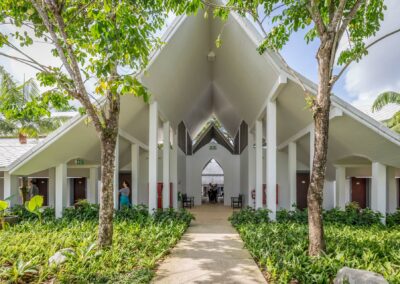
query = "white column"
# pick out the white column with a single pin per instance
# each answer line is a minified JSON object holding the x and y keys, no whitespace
{"x":378,"y":188}
{"x":11,"y":188}
{"x":259,"y":167}
{"x":61,"y":189}
{"x":312,"y":145}
{"x":340,"y":198}
{"x":174,"y":170}
{"x":271,"y":157}
{"x":153,"y":159}
{"x":135,"y":159}
{"x":166,"y":177}
{"x":116,"y":176}
{"x":292,"y":165}
{"x":52,"y":187}
{"x":92,"y":183}
{"x":392,"y":197}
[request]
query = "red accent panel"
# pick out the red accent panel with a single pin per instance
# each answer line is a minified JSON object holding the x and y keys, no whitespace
{"x":160,"y":187}
{"x":265,"y":194}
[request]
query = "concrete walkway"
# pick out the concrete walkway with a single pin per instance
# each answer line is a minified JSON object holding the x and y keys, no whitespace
{"x":211,"y":251}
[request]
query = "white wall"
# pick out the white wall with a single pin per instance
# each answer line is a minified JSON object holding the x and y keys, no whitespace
{"x":244,"y":176}
{"x":1,"y":188}
{"x":143,"y":193}
{"x":181,"y":171}
{"x":229,"y":163}
{"x":329,"y":195}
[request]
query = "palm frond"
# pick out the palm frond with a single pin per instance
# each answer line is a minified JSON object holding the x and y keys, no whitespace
{"x":385,"y":99}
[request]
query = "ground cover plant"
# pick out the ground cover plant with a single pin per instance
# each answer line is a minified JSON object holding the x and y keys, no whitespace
{"x":357,"y":241}
{"x":139,"y":242}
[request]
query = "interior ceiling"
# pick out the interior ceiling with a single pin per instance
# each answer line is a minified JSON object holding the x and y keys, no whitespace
{"x":190,"y":88}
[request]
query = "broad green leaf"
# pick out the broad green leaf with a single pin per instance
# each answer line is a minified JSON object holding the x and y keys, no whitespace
{"x":3,"y":205}
{"x":35,"y":203}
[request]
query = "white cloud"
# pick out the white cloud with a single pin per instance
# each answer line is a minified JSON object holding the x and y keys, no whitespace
{"x":380,"y":70}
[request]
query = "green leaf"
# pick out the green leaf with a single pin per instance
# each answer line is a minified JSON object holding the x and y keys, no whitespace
{"x":3,"y":205}
{"x":34,"y":204}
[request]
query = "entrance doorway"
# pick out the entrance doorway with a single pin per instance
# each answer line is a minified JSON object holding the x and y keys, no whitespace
{"x":79,"y":185}
{"x":359,"y":191}
{"x":43,"y":185}
{"x":303,"y":181}
{"x":212,"y":183}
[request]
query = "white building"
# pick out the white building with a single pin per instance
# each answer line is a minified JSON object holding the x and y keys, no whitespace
{"x":260,"y":105}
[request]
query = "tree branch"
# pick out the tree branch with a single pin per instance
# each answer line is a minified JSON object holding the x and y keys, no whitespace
{"x":22,"y":60}
{"x":316,"y":16}
{"x":337,"y":77}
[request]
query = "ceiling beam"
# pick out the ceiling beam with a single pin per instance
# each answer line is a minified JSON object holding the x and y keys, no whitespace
{"x":122,"y":133}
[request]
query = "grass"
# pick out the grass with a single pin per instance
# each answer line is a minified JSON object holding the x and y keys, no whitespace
{"x":137,"y":247}
{"x":280,"y":249}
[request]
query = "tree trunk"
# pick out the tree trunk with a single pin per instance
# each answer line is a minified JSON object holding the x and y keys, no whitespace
{"x":321,"y":110}
{"x":107,"y":196}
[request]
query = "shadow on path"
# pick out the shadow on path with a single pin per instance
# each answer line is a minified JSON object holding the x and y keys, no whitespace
{"x":211,"y":251}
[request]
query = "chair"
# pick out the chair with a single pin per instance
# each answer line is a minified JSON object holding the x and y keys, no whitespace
{"x":237,"y":202}
{"x":187,"y":201}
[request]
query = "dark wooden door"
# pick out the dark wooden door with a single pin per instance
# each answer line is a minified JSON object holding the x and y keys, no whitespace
{"x":79,"y":189}
{"x":43,"y":185}
{"x":359,"y":191}
{"x":303,"y":181}
{"x":127,"y":177}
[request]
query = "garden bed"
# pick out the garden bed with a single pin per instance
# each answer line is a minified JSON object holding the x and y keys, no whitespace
{"x":139,"y":242}
{"x":280,"y":248}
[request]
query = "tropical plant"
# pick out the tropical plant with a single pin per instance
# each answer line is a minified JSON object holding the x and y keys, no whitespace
{"x":24,"y":112}
{"x":3,"y":207}
{"x":35,"y":206}
{"x":137,"y":248}
{"x":328,"y":22}
{"x":106,"y":42}
{"x":355,"y":238}
{"x":385,"y":99}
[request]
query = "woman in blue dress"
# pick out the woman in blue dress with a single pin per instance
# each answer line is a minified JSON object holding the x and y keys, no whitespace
{"x":124,"y":195}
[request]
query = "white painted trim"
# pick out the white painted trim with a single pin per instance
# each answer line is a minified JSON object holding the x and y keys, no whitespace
{"x":166,"y":165}
{"x":259,"y":167}
{"x":132,"y":139}
{"x":153,"y":156}
{"x":116,"y":176}
{"x":296,"y":136}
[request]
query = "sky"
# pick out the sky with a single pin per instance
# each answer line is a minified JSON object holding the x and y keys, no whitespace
{"x":377,"y":72}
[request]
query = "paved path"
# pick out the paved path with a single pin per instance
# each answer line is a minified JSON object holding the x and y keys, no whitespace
{"x":211,"y":251}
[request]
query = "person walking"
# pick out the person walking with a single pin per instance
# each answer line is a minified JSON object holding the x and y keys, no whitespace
{"x":124,"y":195}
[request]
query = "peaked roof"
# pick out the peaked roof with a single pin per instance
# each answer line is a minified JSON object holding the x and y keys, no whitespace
{"x":212,"y":132}
{"x":233,"y":87}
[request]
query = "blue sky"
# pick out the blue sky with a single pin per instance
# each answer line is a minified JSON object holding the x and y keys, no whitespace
{"x":377,"y":72}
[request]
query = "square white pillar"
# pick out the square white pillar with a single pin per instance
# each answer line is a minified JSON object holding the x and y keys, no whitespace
{"x":116,"y":176}
{"x":292,"y":165}
{"x":92,"y":185}
{"x":259,"y":167}
{"x":271,"y":157}
{"x":174,"y":170}
{"x":378,"y":188}
{"x":52,"y":187}
{"x":135,"y":156}
{"x":166,"y":170}
{"x":61,"y":189}
{"x":312,"y":145}
{"x":392,"y":194}
{"x":340,"y":199}
{"x":153,"y":159}
{"x":11,"y":188}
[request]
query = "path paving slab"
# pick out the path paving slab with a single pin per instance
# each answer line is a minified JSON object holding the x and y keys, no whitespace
{"x":211,"y":251}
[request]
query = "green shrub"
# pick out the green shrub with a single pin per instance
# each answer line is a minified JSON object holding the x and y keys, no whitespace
{"x":82,"y":211}
{"x":175,"y":215}
{"x":393,"y":219}
{"x":48,"y":213}
{"x":296,"y":215}
{"x":249,"y":215}
{"x":281,"y":250}
{"x":138,"y":213}
{"x":137,"y":247}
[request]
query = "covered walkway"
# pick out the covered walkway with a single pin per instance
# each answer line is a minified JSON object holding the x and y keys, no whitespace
{"x":211,"y":251}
